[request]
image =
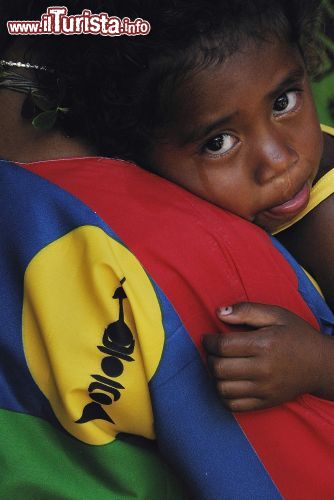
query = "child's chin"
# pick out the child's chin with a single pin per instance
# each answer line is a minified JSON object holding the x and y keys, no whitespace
{"x":270,"y":224}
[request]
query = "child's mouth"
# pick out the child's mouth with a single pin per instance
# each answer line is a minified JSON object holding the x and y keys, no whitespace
{"x":293,"y":206}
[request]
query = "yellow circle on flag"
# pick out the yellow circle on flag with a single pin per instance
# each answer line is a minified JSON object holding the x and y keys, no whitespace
{"x":92,"y":335}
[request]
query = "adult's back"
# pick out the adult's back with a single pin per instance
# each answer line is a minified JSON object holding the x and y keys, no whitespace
{"x":202,"y":257}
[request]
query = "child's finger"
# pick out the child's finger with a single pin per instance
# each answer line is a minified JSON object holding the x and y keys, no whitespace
{"x":233,"y":368}
{"x":245,"y":404}
{"x":252,"y":314}
{"x":236,"y":344}
{"x":237,"y":389}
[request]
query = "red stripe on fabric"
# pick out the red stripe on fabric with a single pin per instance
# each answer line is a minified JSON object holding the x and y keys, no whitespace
{"x":203,"y":257}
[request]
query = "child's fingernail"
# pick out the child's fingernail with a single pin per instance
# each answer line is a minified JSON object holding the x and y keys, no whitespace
{"x":225,"y":311}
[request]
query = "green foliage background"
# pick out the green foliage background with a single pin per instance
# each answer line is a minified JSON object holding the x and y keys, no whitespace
{"x":323,"y":88}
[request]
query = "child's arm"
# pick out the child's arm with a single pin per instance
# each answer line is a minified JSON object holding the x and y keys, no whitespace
{"x":311,"y":240}
{"x":279,"y":359}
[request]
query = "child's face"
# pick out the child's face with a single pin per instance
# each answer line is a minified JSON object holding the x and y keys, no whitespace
{"x":245,"y":135}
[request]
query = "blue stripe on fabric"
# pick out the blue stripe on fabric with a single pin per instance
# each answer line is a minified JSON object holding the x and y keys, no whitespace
{"x":202,"y":439}
{"x":310,"y":294}
{"x":34,"y":212}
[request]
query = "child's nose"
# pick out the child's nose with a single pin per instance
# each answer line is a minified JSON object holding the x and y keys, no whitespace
{"x":275,"y":157}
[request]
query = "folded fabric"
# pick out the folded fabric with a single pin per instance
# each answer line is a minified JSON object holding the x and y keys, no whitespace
{"x":99,"y":361}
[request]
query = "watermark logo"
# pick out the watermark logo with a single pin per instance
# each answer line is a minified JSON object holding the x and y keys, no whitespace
{"x":56,"y":21}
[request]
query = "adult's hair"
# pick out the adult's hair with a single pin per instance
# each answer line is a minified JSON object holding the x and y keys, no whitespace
{"x":118,"y":88}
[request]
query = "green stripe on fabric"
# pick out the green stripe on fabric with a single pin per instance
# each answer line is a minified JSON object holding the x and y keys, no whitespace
{"x":38,"y":461}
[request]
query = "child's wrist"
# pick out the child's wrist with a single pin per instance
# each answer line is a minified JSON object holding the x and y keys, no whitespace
{"x":323,"y":385}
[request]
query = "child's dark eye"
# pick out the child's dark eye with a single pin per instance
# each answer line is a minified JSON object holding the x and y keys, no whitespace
{"x":220,"y":145}
{"x":286,"y":102}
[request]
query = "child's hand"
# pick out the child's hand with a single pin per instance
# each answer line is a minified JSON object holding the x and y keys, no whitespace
{"x":280,"y":358}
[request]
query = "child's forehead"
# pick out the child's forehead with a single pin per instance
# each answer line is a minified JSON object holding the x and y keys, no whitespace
{"x":250,"y":73}
{"x":254,"y":62}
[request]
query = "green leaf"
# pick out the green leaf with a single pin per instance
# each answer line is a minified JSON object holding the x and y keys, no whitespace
{"x":42,"y":102}
{"x":45,"y":120}
{"x":63,"y":110}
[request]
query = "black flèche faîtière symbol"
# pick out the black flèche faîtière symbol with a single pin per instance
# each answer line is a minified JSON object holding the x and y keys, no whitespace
{"x":118,"y":344}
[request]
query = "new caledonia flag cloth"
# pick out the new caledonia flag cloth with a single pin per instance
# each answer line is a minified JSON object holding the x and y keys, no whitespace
{"x":109,"y":275}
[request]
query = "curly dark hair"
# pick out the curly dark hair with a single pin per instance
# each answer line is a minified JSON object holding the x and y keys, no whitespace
{"x":118,"y":89}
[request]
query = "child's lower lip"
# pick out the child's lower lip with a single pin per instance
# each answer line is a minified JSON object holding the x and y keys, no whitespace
{"x":293,"y":206}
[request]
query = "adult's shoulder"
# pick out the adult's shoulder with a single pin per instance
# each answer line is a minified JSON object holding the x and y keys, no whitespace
{"x":201,"y":256}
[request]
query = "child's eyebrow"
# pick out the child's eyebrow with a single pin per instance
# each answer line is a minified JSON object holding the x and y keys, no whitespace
{"x":294,"y":77}
{"x":203,"y":131}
